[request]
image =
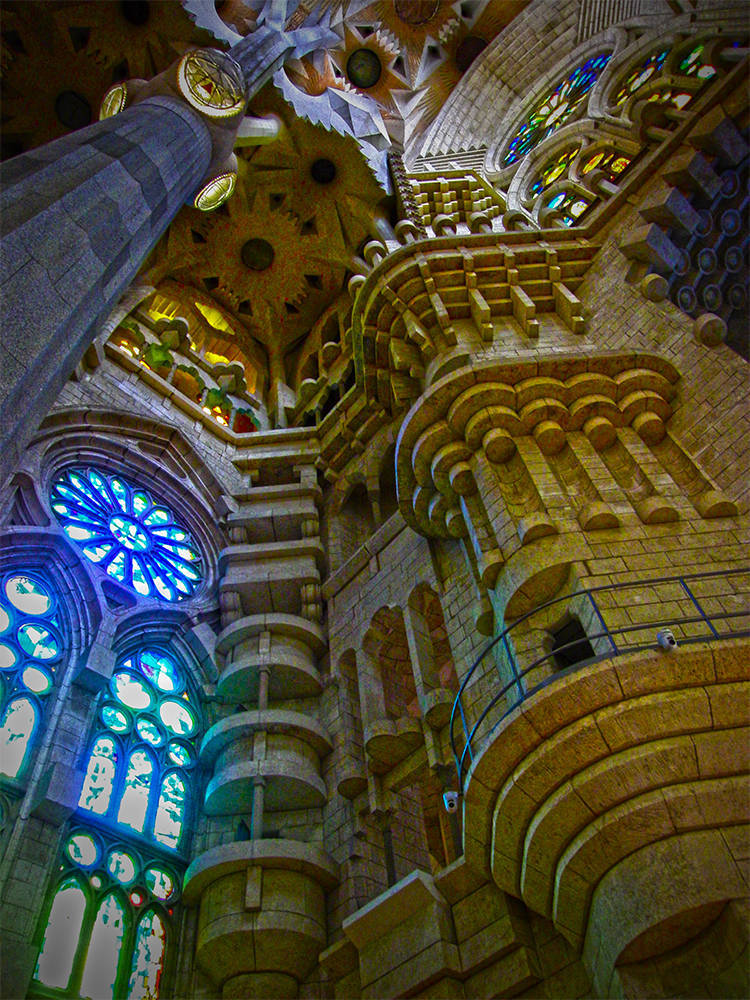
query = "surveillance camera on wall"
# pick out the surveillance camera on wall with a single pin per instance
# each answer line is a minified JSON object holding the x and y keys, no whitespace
{"x":666,"y":639}
{"x":450,"y":801}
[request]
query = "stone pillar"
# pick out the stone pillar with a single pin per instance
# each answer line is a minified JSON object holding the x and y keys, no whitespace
{"x":78,"y":217}
{"x":80,"y":214}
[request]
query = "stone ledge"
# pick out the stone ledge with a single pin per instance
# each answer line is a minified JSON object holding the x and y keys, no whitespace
{"x":279,"y":623}
{"x":391,"y":908}
{"x":272,"y":720}
{"x":290,"y":855}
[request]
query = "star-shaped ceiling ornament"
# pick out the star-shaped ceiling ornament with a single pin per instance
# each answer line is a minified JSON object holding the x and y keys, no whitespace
{"x":280,"y":250}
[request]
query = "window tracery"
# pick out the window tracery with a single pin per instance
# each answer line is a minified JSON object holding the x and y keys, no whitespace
{"x":30,"y":650}
{"x":137,"y":774}
{"x":135,"y":538}
{"x":107,"y":926}
{"x":556,"y":107}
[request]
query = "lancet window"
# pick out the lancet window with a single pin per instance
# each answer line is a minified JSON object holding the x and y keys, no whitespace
{"x":31,"y":648}
{"x":139,"y":762}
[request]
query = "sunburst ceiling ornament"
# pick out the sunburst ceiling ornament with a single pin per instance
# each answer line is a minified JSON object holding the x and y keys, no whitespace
{"x":212,"y":82}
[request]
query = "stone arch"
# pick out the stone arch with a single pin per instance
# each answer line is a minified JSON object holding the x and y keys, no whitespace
{"x":387,"y":644}
{"x":655,"y":889}
{"x":431,"y":651}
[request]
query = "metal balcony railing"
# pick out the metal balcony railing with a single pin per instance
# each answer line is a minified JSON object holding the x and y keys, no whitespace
{"x":617,"y":643}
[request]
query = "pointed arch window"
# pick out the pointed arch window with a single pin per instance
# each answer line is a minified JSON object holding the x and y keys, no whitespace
{"x":140,"y":760}
{"x":31,"y":647}
{"x":107,"y":927}
{"x":133,"y":537}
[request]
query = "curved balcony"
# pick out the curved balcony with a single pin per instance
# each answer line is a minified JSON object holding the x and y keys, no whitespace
{"x":638,"y":636}
{"x":611,"y":796}
{"x":262,"y":916}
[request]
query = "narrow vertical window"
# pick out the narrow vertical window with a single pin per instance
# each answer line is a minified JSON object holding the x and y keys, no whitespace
{"x":31,"y":647}
{"x":18,"y":724}
{"x":103,"y":956}
{"x":100,"y":776}
{"x":148,"y":957}
{"x":135,"y":795}
{"x":169,"y":813}
{"x":63,"y":933}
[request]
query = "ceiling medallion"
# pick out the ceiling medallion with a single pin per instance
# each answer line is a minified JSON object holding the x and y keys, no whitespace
{"x":113,"y":101}
{"x":363,"y":67}
{"x":216,"y":191}
{"x":212,"y":82}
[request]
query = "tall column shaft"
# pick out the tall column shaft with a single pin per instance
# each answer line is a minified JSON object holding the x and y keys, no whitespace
{"x":78,"y":218}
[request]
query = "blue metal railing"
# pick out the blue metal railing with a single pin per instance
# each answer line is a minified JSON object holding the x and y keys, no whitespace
{"x":466,"y":756}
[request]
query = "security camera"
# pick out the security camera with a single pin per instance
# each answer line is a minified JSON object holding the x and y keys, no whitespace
{"x":665,"y":639}
{"x":450,"y":801}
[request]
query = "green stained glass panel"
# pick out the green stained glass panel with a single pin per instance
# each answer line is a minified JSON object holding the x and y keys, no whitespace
{"x":103,"y":955}
{"x":82,"y":849}
{"x":160,"y":671}
{"x":121,"y":866}
{"x":176,"y":717}
{"x":170,"y":811}
{"x":159,"y":882}
{"x":62,"y":935}
{"x":115,"y":719}
{"x":19,"y":720}
{"x":148,"y":958}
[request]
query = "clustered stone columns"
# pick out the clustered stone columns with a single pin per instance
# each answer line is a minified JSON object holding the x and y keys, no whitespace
{"x":262,"y":916}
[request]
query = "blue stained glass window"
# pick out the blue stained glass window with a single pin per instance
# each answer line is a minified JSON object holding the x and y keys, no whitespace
{"x":136,"y":775}
{"x":556,"y":108}
{"x":134,"y":538}
{"x":30,"y":647}
{"x":641,"y":75}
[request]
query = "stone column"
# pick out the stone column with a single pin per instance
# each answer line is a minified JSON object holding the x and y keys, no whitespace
{"x":79,"y":217}
{"x":80,"y":214}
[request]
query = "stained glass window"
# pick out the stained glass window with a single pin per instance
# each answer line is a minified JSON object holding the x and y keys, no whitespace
{"x":613,"y":163}
{"x":556,"y":108}
{"x":30,"y":650}
{"x":129,"y":534}
{"x":554,"y":170}
{"x":106,"y":931}
{"x":640,"y":76}
{"x":570,"y":205}
{"x":694,"y":65}
{"x":137,"y":771}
